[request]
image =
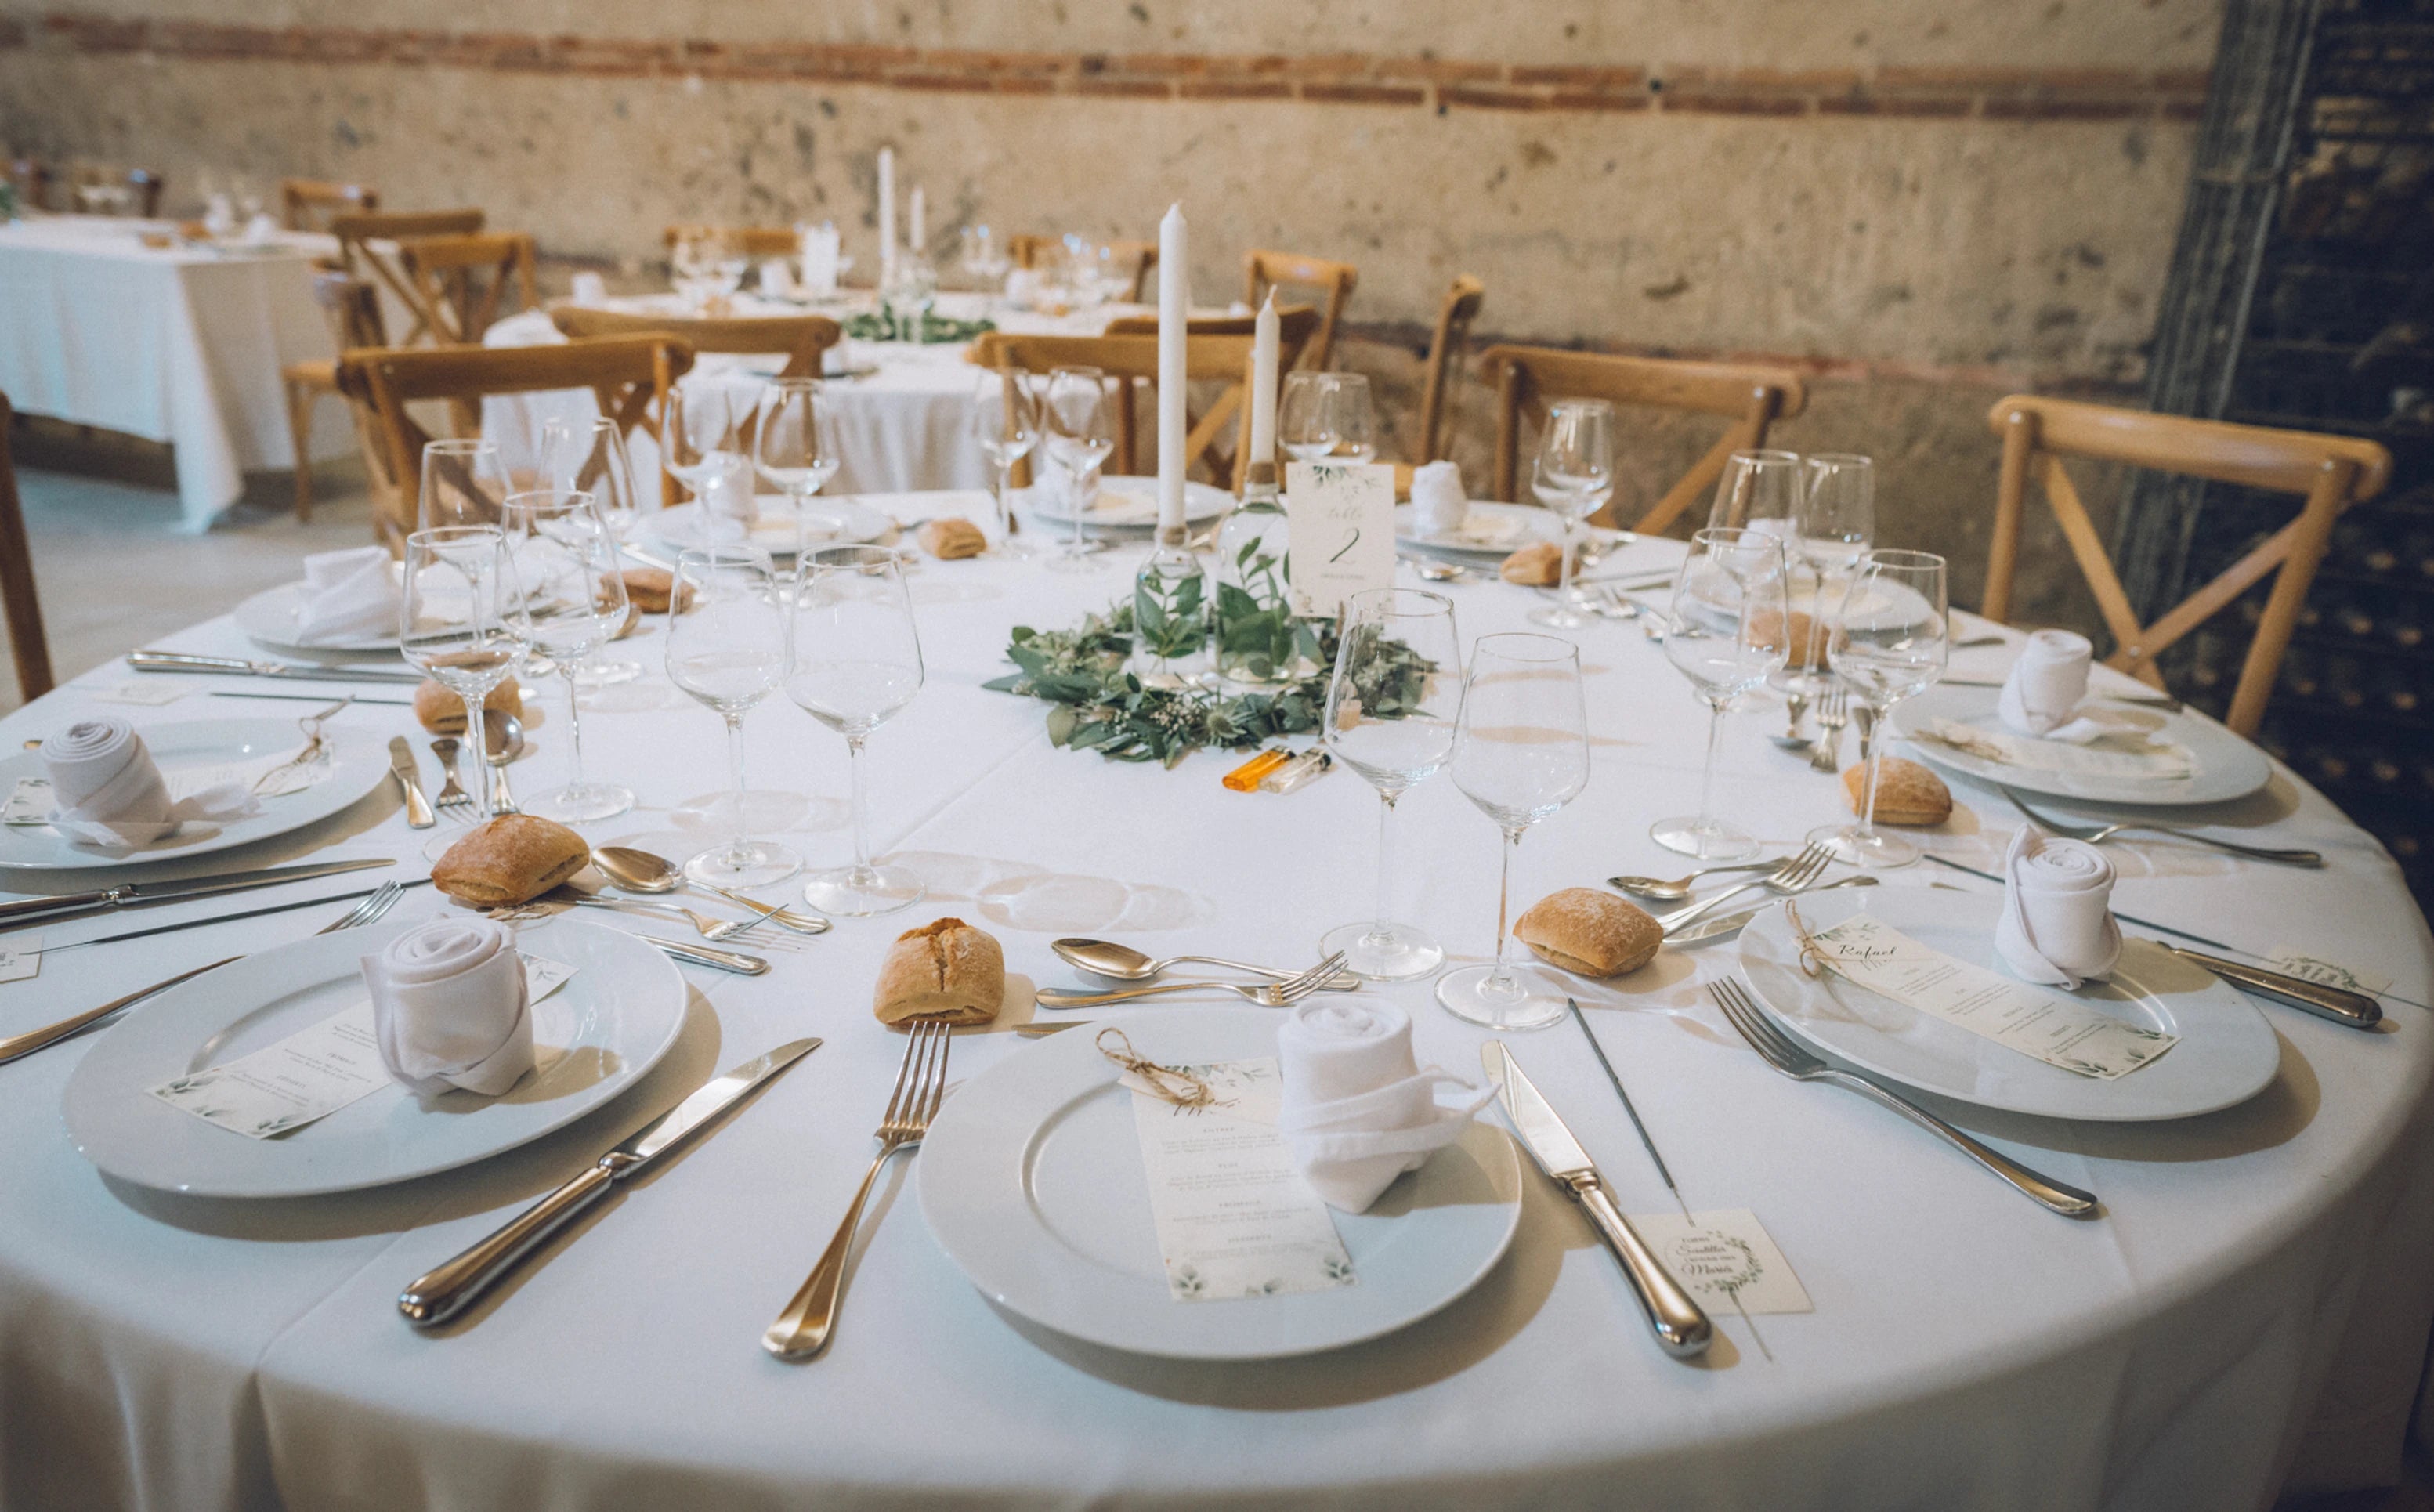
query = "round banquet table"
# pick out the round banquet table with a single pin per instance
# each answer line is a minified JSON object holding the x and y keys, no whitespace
{"x":2252,"y":1306}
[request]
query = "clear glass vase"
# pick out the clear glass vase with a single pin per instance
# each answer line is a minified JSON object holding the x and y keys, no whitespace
{"x":1170,"y":617}
{"x":1259,"y":642}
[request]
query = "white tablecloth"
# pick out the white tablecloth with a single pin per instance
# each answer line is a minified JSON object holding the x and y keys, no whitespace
{"x":169,"y":344}
{"x":2253,"y":1301}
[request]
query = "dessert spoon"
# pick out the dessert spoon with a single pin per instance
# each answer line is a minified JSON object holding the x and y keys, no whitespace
{"x":640,"y":871}
{"x":1679,"y":888}
{"x":1121,"y":963}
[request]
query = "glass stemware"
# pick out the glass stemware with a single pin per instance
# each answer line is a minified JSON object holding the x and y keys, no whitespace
{"x":565,"y":562}
{"x":727,"y":648}
{"x":1391,"y":705}
{"x":1305,"y":418}
{"x":1890,"y":642}
{"x":589,"y":456}
{"x":1356,"y":422}
{"x":1006,"y":426}
{"x":857,"y":663}
{"x":461,"y":621}
{"x":1759,"y":491}
{"x":1835,"y":527}
{"x":1521,"y":752}
{"x":1574,"y":478}
{"x":1726,"y":629}
{"x":464,"y":482}
{"x":795,"y":446}
{"x":698,"y":434}
{"x":1080,"y":432}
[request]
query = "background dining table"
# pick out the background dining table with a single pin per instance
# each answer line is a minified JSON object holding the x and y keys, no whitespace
{"x":2251,"y":1306}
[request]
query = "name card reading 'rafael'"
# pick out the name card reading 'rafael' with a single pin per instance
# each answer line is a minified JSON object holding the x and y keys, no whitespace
{"x":1342,"y":534}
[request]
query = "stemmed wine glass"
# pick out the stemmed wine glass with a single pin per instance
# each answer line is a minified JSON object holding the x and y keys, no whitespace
{"x":1574,"y":478}
{"x":565,"y":561}
{"x":1837,"y":525}
{"x":1890,"y":642}
{"x":1759,"y":491}
{"x":795,"y":446}
{"x":983,"y":259}
{"x":464,"y":482}
{"x":697,"y":434}
{"x":727,"y":648}
{"x":1724,"y":630}
{"x":1521,"y":752}
{"x":1391,"y":705}
{"x":461,"y":621}
{"x":1305,"y":418}
{"x":1355,"y":421}
{"x":857,"y":663}
{"x":589,"y":456}
{"x":1080,"y":431}
{"x":1005,"y":425}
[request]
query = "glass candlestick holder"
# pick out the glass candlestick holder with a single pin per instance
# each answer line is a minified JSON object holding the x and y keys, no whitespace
{"x":1170,"y":615}
{"x":1259,"y":642}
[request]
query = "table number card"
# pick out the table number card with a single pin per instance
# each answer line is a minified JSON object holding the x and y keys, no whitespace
{"x":1725,"y":1260}
{"x":1342,"y":532}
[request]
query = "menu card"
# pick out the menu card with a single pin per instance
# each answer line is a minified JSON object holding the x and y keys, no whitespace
{"x":1725,"y":1258}
{"x":2116,"y":756}
{"x":1341,"y":532}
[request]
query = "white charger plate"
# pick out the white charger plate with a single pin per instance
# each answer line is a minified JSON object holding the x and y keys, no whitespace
{"x":2225,"y":766}
{"x":612,"y":1022}
{"x":1492,"y":530}
{"x":2227,"y":1052}
{"x":1128,"y":503}
{"x":358,"y":764}
{"x":269,"y":617}
{"x":1031,"y":1180}
{"x":682,"y":528}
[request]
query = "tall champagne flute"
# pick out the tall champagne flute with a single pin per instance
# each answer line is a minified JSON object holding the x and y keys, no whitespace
{"x":1391,"y":705}
{"x":565,"y":561}
{"x":1521,"y":752}
{"x":1574,"y":478}
{"x":1006,"y":426}
{"x":1836,"y":525}
{"x":1726,"y":629}
{"x":589,"y":456}
{"x":464,"y":482}
{"x":727,"y":648}
{"x":697,"y":434}
{"x":795,"y":446}
{"x":1080,"y":431}
{"x":857,"y":663}
{"x":460,"y":621}
{"x":1890,"y":642}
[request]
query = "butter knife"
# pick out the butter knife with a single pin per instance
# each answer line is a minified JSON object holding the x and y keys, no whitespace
{"x":134,"y":894}
{"x":239,"y":666}
{"x":409,"y":777}
{"x":441,"y":1294}
{"x":1682,"y":1330}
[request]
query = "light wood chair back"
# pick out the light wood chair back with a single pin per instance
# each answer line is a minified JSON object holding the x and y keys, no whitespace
{"x":1527,"y":378}
{"x":353,"y":309}
{"x":462,"y":282}
{"x":628,"y":375}
{"x":2329,"y":473}
{"x":1127,"y":361}
{"x":25,"y":614}
{"x":1295,"y":325}
{"x":308,"y":204}
{"x":757,"y":241}
{"x":368,"y":248}
{"x":1446,"y":345}
{"x":801,"y":337}
{"x":1264,"y":270}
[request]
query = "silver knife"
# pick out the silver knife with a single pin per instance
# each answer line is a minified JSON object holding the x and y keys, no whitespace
{"x":1710,"y":929}
{"x":409,"y":777}
{"x":1682,"y":1329}
{"x":133,"y":894}
{"x":228,"y":919}
{"x":443,"y":1292}
{"x":239,"y":666}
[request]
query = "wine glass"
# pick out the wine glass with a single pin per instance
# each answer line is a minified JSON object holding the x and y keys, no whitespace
{"x":460,"y":621}
{"x":1391,"y":705}
{"x":1305,"y":418}
{"x":1759,"y":491}
{"x":795,"y":446}
{"x":727,"y":648}
{"x":1354,"y":421}
{"x":1080,"y":430}
{"x":1005,"y":425}
{"x":1890,"y":642}
{"x":857,"y":662}
{"x":1521,"y":752}
{"x":1724,"y":630}
{"x":1836,"y":525}
{"x":690,"y":267}
{"x":728,"y":261}
{"x":464,"y":482}
{"x":565,"y":561}
{"x":698,"y":431}
{"x":1574,"y":478}
{"x":589,"y":456}
{"x":984,"y":259}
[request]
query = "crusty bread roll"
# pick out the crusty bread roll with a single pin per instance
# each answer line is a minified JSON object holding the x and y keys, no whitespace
{"x":651,"y":589}
{"x":1539,"y":564}
{"x":951,"y":538}
{"x":945,"y":969}
{"x":1590,"y":933}
{"x":1906,"y":794}
{"x":1804,"y":655}
{"x":511,"y":860}
{"x":441,"y":709}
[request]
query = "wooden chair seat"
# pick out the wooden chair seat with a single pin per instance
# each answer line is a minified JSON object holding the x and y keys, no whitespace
{"x":26,"y":643}
{"x":1332,"y":281}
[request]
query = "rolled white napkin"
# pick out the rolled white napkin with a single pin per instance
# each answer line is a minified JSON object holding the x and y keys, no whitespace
{"x":449,"y":1007}
{"x":2057,"y":926}
{"x":2045,"y":695}
{"x":590,"y":288}
{"x":348,"y":596}
{"x":1356,"y":1109}
{"x":1437,"y":498}
{"x":112,"y":794}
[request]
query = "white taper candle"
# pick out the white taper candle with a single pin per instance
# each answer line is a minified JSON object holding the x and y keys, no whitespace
{"x":1173,"y":313}
{"x":916,"y":232}
{"x":1265,"y":337}
{"x":886,"y":214}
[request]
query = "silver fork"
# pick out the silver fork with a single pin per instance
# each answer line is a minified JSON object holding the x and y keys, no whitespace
{"x":1778,"y":1050}
{"x":2098,"y":834}
{"x":452,"y":795}
{"x":1793,"y":874}
{"x":802,"y":1329}
{"x":1282,"y":994}
{"x":1833,"y":712}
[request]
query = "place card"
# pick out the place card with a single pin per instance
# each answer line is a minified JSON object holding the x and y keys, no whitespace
{"x":28,"y":803}
{"x":2013,"y":1014}
{"x":1234,"y":1217}
{"x":1725,"y":1258}
{"x":2313,"y":969}
{"x":20,"y":958}
{"x":149,"y":692}
{"x":1341,"y":534}
{"x":2116,"y":756}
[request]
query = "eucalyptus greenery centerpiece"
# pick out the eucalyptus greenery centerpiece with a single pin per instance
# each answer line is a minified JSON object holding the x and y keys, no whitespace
{"x":891,"y":324}
{"x":1170,"y":615}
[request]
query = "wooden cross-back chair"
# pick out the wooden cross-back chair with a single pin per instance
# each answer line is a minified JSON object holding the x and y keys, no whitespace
{"x":1126,"y":360}
{"x":1295,"y":325}
{"x":757,"y":241}
{"x":463,"y":281}
{"x":353,"y":312}
{"x":2330,"y":473}
{"x":309,"y":204}
{"x":369,"y":248}
{"x":25,"y":614}
{"x":628,"y":375}
{"x":802,"y":338}
{"x":1265,"y":271}
{"x":1753,"y":396}
{"x":1445,"y":343}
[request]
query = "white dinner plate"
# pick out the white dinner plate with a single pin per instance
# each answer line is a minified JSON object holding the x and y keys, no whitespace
{"x":2227,"y":1053}
{"x":269,"y":617}
{"x":358,"y":764}
{"x":2225,"y":766}
{"x":853,"y":522}
{"x":1031,"y":1180}
{"x":1490,"y":531}
{"x":1129,"y":503}
{"x":595,"y":1037}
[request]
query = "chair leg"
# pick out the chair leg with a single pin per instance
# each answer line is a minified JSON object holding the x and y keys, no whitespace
{"x":300,"y":430}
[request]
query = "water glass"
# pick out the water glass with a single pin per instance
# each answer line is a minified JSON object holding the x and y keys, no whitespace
{"x":1726,"y":629}
{"x":699,"y":430}
{"x":1573,"y":476}
{"x":1006,"y":427}
{"x":1326,"y":417}
{"x":1759,"y":491}
{"x":727,"y":648}
{"x":857,"y":663}
{"x":795,"y":446}
{"x":1835,"y":527}
{"x":565,"y":561}
{"x":464,"y":482}
{"x":461,"y":621}
{"x":1079,"y":425}
{"x":1890,"y":642}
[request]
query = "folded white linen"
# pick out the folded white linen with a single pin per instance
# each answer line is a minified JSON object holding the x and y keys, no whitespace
{"x":1437,"y":498}
{"x":349,"y":595}
{"x":2057,"y":926}
{"x":112,"y":794}
{"x":2046,"y":693}
{"x":450,"y":1006}
{"x":1356,"y":1109}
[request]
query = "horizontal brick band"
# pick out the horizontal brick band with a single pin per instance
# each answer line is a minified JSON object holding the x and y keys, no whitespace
{"x":1351,"y":79}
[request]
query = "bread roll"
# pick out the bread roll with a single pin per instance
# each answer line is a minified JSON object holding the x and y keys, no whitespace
{"x":946,"y":969}
{"x":951,"y":538}
{"x":1590,"y":932}
{"x":1806,"y":654}
{"x":1539,"y":564}
{"x":651,"y":589}
{"x":441,"y":709}
{"x":1906,"y":794}
{"x":511,"y":860}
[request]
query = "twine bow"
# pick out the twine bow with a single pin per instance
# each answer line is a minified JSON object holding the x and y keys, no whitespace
{"x":1813,"y":960}
{"x":1181,"y":1088}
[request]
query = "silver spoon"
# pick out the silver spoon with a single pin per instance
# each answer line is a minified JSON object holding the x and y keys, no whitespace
{"x":1440,"y":572}
{"x":1121,"y":963}
{"x":503,"y":741}
{"x":1679,"y":888}
{"x":642,"y":872}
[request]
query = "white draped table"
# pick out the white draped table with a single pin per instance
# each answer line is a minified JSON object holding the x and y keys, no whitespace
{"x":2252,"y":1305}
